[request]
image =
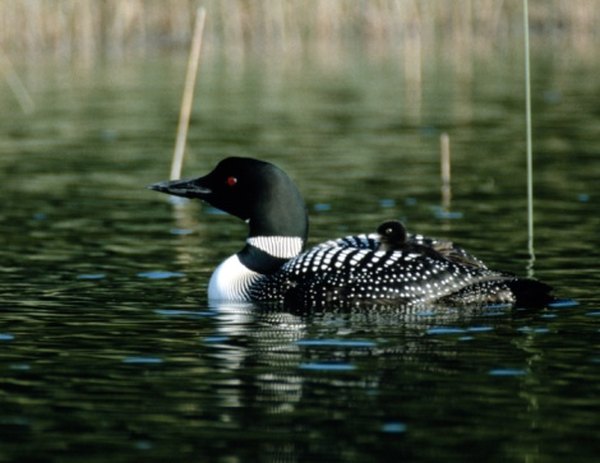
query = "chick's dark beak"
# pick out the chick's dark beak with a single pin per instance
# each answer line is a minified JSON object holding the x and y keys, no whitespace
{"x":185,"y":188}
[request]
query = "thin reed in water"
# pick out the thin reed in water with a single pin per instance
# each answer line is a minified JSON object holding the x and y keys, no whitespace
{"x":188,"y":96}
{"x":529,"y":138}
{"x":16,"y":84}
{"x":445,"y":170}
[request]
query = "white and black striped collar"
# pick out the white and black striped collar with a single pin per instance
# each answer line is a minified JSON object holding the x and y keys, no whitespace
{"x":282,"y":247}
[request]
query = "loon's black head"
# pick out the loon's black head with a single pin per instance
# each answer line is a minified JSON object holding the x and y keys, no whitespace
{"x":253,"y":190}
{"x":392,"y":235}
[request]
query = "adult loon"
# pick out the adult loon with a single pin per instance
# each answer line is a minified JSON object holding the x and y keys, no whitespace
{"x":390,"y":266}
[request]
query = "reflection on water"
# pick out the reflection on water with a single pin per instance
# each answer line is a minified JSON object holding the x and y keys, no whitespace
{"x":109,"y":351}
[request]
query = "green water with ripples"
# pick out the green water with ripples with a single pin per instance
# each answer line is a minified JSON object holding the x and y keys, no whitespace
{"x":109,"y":351}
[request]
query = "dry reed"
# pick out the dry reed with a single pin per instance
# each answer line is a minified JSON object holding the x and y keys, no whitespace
{"x":445,"y":170}
{"x":188,"y":96}
{"x":78,"y":30}
{"x":16,"y":84}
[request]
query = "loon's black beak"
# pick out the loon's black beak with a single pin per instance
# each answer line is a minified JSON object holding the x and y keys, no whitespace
{"x":185,"y":188}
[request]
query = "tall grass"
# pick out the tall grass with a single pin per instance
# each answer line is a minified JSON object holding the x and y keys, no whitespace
{"x":89,"y":30}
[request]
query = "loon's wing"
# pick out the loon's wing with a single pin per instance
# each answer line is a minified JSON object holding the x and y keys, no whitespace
{"x":447,"y":249}
{"x":362,"y":241}
{"x":337,"y":271}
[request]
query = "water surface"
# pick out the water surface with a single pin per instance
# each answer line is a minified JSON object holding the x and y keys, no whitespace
{"x":109,"y":351}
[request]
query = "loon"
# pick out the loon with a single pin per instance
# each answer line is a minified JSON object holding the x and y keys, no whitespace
{"x":390,"y":266}
{"x":392,"y":235}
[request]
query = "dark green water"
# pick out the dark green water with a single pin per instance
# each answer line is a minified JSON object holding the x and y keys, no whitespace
{"x":109,"y":352}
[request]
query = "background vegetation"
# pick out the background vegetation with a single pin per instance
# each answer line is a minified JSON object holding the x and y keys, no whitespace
{"x":93,"y":29}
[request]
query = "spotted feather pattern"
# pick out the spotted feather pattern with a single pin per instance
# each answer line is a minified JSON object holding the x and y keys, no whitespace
{"x":353,"y":269}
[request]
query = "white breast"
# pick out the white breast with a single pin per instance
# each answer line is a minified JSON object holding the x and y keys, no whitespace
{"x":231,"y":281}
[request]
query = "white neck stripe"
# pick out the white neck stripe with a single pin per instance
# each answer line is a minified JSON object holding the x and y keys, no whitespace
{"x":284,"y":247}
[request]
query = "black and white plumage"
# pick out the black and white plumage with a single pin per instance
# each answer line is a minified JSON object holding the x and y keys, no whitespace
{"x":390,"y":266}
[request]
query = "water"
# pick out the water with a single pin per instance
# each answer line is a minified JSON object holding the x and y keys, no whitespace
{"x":109,"y":351}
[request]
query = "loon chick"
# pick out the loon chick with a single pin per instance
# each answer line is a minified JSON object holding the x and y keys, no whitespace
{"x":392,"y":235}
{"x":390,"y":266}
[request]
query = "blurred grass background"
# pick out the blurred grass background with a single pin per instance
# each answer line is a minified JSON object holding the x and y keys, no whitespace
{"x":88,"y":30}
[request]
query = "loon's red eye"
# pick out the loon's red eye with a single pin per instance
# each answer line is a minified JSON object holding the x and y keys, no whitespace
{"x":231,"y":181}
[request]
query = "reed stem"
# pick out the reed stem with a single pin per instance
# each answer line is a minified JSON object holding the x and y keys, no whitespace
{"x":188,"y":95}
{"x":529,"y":138}
{"x":16,"y":84}
{"x":445,"y":169}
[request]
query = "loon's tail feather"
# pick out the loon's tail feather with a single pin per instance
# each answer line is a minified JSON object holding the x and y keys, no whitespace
{"x":530,"y":293}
